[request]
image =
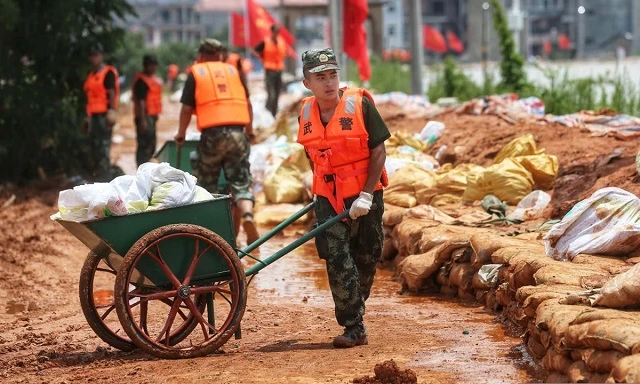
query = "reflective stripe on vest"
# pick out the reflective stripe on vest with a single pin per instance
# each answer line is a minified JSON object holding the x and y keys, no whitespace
{"x":97,"y":98}
{"x":153,"y":101}
{"x":220,"y":96}
{"x":274,"y":54}
{"x":340,"y":151}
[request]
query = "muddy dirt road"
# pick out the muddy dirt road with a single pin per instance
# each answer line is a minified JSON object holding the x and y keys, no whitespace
{"x":287,"y":328}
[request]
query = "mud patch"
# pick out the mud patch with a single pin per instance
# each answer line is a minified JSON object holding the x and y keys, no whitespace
{"x":388,"y":373}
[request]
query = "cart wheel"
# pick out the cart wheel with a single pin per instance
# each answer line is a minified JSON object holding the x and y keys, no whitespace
{"x":163,"y":252}
{"x":99,"y":311}
{"x":97,"y":303}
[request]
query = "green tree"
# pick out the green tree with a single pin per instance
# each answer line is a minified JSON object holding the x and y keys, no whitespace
{"x":43,"y":63}
{"x":514,"y":77}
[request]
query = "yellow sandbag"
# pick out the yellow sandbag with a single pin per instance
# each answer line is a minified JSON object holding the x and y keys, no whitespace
{"x":522,"y":146}
{"x":508,"y":181}
{"x":284,"y":185}
{"x":543,"y":168}
{"x":402,"y":138}
{"x":404,"y":183}
{"x":455,"y":180}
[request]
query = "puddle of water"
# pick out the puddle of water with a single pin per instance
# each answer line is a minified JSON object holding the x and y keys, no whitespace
{"x":103,"y":297}
{"x":12,"y":308}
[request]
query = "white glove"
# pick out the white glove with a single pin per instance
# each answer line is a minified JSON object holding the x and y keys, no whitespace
{"x":361,"y":206}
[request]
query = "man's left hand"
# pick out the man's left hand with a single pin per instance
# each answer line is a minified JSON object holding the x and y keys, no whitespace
{"x":111,"y":118}
{"x":361,"y":206}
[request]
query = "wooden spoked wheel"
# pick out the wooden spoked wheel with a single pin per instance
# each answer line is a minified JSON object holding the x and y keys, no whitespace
{"x":175,"y":264}
{"x":98,"y":305}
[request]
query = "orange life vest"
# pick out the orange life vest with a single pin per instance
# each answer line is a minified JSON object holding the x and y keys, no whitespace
{"x":340,"y":151}
{"x":97,"y":99}
{"x":153,"y":102}
{"x":274,"y":54}
{"x":172,"y":72}
{"x":220,"y":96}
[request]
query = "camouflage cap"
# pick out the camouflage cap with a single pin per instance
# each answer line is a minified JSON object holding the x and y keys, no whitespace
{"x":318,"y":60}
{"x":211,"y":46}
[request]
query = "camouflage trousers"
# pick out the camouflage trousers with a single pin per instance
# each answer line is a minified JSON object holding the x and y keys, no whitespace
{"x":100,"y":143}
{"x":146,"y":139}
{"x":273,"y":82}
{"x":225,"y":148}
{"x":351,"y":250}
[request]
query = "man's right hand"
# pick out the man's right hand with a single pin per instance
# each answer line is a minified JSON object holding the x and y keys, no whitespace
{"x":179,"y":138}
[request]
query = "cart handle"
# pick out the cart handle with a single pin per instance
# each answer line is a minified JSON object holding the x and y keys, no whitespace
{"x":319,"y":229}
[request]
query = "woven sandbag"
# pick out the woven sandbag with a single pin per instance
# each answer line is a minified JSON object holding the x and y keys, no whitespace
{"x":461,"y":276}
{"x":545,"y":339}
{"x":561,"y":290}
{"x":556,"y":377}
{"x":503,"y":255}
{"x":619,"y":335}
{"x":603,"y":361}
{"x":466,"y":295}
{"x":491,"y":302}
{"x":407,"y":235}
{"x":415,"y":269}
{"x":442,"y":278}
{"x":622,"y":291}
{"x":515,"y":314}
{"x":448,"y":290}
{"x":389,"y":250}
{"x":535,"y":348}
{"x":481,"y":295}
{"x":568,"y":274}
{"x":392,"y":215}
{"x":594,"y":314}
{"x":551,"y":312}
{"x":478,"y":284}
{"x":627,"y":370}
{"x":579,"y":373}
{"x":613,"y":265}
{"x":523,"y":267}
{"x":555,"y":361}
{"x":600,"y":378}
{"x":486,"y":243}
{"x":433,"y":236}
{"x":502,"y":294}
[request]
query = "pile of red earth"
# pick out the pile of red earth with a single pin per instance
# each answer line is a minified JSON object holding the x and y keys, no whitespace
{"x":551,"y":300}
{"x":388,"y":373}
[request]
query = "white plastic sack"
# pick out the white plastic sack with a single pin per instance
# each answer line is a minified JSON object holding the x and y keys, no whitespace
{"x":201,"y":195}
{"x":133,"y":194}
{"x":606,"y":223}
{"x":531,"y":207}
{"x":152,"y":175}
{"x":488,"y":274}
{"x":90,"y":201}
{"x":431,"y":132}
{"x":171,"y":194}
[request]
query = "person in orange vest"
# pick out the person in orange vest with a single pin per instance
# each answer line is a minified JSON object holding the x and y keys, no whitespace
{"x":218,"y":95}
{"x":172,"y":75}
{"x":147,"y":104}
{"x":233,"y":58}
{"x":343,"y":135}
{"x":272,"y":51}
{"x":102,"y":89}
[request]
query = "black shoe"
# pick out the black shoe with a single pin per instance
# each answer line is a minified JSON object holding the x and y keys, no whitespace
{"x":351,"y":337}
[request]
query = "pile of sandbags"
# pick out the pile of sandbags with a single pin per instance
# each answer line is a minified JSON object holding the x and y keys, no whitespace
{"x":548,"y":298}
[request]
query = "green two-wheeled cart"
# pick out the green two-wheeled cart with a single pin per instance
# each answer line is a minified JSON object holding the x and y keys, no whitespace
{"x":171,"y":282}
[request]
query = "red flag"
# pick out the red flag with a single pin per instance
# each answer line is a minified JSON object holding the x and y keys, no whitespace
{"x":433,"y":39}
{"x":564,"y":42}
{"x":237,"y":32}
{"x":260,"y":22}
{"x":354,"y":38}
{"x":454,"y":43}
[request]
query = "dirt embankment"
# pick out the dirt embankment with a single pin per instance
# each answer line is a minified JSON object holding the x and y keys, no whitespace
{"x":587,"y":163}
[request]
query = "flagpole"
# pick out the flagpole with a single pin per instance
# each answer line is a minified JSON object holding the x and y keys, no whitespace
{"x":247,"y":38}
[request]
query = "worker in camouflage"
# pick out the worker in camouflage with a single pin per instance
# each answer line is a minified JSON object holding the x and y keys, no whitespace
{"x":350,"y":248}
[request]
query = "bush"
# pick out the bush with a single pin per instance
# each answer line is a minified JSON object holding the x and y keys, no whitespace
{"x":43,"y":64}
{"x":512,"y":64}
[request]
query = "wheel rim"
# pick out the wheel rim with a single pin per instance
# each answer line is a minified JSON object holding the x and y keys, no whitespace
{"x":229,"y":293}
{"x":98,"y":304}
